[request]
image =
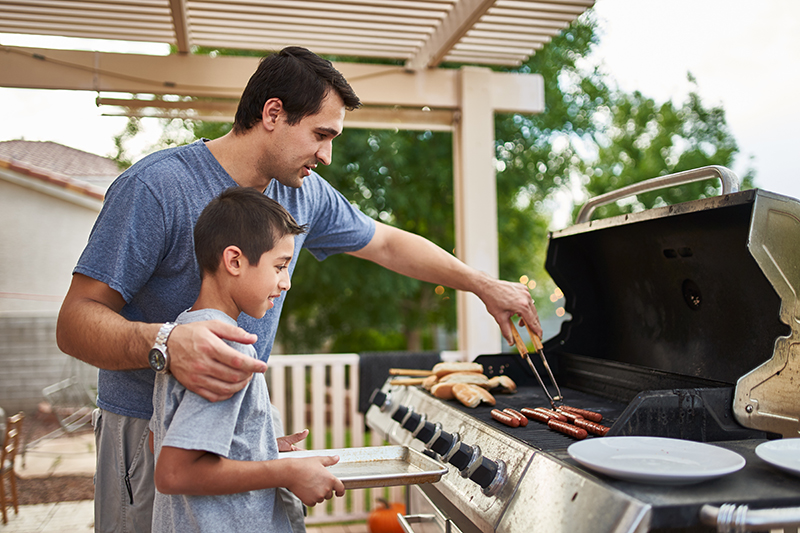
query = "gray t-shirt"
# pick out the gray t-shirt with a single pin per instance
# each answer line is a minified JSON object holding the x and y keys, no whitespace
{"x":142,"y":246}
{"x":239,"y":428}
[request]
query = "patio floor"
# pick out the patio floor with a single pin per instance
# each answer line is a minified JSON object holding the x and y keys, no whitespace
{"x":74,"y":455}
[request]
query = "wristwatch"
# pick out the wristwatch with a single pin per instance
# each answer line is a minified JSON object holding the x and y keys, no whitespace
{"x":159,"y":357}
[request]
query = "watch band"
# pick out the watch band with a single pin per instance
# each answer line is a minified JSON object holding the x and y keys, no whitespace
{"x":161,"y":342}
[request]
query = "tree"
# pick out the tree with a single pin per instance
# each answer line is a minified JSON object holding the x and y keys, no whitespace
{"x":642,"y":140}
{"x":537,"y":154}
{"x":402,"y":178}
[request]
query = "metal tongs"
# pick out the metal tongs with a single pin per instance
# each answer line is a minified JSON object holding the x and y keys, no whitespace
{"x":523,"y":351}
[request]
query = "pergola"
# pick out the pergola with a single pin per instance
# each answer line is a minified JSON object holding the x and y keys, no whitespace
{"x":420,"y":34}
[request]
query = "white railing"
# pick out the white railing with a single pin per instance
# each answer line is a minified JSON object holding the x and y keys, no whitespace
{"x":320,"y":392}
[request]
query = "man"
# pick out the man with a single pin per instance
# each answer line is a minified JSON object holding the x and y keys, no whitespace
{"x":138,"y":270}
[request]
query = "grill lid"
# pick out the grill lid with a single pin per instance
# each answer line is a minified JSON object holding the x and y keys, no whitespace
{"x":704,"y":289}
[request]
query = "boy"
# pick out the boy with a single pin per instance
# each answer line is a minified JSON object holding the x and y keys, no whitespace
{"x":217,"y":464}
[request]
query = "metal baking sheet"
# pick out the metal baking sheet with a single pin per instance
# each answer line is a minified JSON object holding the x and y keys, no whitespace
{"x":379,"y":466}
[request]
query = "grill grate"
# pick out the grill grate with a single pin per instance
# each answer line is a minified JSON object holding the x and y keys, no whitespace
{"x":536,"y":434}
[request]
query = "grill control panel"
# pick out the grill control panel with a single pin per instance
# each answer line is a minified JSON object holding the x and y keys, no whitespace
{"x":485,"y":465}
{"x":469,"y":460}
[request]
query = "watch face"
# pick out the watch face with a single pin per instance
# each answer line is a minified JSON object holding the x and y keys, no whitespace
{"x":157,"y":360}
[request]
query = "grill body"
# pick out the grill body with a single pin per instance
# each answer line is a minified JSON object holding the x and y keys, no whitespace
{"x":684,"y":323}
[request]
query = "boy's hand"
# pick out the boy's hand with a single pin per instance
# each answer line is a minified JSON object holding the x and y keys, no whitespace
{"x":205,"y":365}
{"x":312,"y":482}
{"x":287,"y":443}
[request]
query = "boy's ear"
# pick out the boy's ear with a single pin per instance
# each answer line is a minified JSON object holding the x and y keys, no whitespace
{"x":232,"y":260}
{"x":272,"y":110}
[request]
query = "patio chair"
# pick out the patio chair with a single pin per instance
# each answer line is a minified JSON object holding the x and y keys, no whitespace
{"x":71,"y":402}
{"x":9,"y":453}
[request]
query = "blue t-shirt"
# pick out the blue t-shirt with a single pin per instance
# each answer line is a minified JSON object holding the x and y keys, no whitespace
{"x":239,"y":428}
{"x":142,"y":246}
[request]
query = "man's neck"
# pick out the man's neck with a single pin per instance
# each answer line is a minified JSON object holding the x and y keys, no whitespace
{"x":238,"y":155}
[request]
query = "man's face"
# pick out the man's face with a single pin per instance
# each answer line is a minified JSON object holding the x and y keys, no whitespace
{"x":297,"y":149}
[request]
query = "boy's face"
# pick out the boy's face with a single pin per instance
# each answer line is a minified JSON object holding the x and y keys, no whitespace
{"x":262,"y":283}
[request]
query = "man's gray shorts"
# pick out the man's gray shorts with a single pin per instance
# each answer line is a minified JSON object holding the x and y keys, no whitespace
{"x":123,"y":482}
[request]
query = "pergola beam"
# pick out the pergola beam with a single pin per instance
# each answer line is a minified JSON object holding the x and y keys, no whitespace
{"x":224,"y":77}
{"x":458,"y":22}
{"x":180,"y":22}
{"x":369,"y":117}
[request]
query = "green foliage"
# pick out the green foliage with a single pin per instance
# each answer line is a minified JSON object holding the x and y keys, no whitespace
{"x":536,"y":155}
{"x":121,"y":155}
{"x":403,"y":179}
{"x":642,"y":140}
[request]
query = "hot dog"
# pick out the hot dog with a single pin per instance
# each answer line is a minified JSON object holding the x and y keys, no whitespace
{"x":591,"y":427}
{"x":588,"y":415}
{"x":571,"y":417}
{"x":505,"y":418}
{"x":523,"y":420}
{"x":552,"y":414}
{"x":567,"y":429}
{"x":533,"y":414}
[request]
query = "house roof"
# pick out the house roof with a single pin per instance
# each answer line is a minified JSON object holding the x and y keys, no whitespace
{"x":59,"y":165}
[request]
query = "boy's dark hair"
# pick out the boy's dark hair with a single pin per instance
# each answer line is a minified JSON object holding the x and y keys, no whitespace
{"x":242,"y":217}
{"x":300,"y":79}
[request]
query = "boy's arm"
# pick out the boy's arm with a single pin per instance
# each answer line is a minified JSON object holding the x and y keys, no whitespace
{"x":91,"y":328}
{"x":199,"y":473}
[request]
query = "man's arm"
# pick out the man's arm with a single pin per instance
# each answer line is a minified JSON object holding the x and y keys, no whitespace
{"x":91,"y":329}
{"x":198,"y":473}
{"x":417,"y":257}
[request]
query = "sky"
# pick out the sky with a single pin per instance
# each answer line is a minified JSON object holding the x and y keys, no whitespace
{"x":744,"y":55}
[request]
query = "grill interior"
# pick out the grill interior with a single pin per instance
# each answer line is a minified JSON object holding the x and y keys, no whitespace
{"x":677,"y":292}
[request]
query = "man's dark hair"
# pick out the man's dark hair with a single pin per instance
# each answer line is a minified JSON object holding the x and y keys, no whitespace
{"x":300,"y":79}
{"x":242,"y":217}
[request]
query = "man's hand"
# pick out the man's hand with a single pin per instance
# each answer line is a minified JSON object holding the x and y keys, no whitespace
{"x":287,"y":443}
{"x":205,"y":365}
{"x":503,"y":300}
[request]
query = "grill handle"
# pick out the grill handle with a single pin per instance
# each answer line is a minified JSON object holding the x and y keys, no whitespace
{"x":732,"y":518}
{"x":730,"y":184}
{"x":406,"y":520}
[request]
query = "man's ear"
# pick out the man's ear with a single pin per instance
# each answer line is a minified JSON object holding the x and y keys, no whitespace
{"x":233,"y":260}
{"x":271,"y":112}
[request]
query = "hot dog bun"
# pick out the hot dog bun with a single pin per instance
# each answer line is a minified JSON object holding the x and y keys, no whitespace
{"x":465,"y":377}
{"x":442,"y":369}
{"x":502,"y":384}
{"x":429,"y":382}
{"x":471,"y":395}
{"x":443,"y":391}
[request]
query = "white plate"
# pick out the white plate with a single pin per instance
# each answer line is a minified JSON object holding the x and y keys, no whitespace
{"x":656,"y":460}
{"x":784,"y":453}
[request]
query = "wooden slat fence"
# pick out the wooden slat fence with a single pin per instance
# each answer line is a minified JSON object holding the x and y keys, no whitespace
{"x":320,"y":392}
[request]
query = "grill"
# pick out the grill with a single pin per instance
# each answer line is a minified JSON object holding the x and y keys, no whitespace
{"x":684,"y":323}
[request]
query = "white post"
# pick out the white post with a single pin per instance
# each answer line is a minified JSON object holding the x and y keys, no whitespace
{"x":476,"y":206}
